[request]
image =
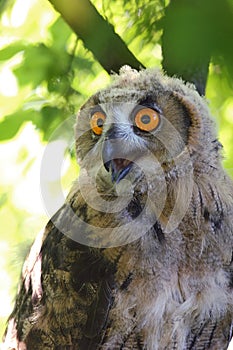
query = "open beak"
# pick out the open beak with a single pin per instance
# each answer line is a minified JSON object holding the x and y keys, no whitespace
{"x":114,"y":158}
{"x":118,"y":168}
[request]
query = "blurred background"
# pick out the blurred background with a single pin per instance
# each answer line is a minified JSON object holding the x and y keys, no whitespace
{"x":46,"y":73}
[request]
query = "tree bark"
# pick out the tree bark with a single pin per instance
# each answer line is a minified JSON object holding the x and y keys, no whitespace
{"x":193,"y":32}
{"x":185,"y":43}
{"x":97,"y":34}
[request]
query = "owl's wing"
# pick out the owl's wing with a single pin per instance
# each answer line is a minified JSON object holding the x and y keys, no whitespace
{"x":211,"y":335}
{"x":65,"y":294}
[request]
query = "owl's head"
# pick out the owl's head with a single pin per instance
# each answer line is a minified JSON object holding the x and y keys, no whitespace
{"x":146,"y":146}
{"x":141,"y":119}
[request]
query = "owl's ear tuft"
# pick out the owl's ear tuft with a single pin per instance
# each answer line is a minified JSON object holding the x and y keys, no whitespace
{"x":194,"y":116}
{"x":201,"y":131}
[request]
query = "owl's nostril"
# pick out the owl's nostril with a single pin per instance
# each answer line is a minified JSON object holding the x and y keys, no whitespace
{"x":119,"y":168}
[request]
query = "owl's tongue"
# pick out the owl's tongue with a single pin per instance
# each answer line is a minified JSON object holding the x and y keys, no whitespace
{"x":119,"y":168}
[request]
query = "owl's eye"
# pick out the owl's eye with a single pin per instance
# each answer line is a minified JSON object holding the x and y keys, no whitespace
{"x":97,"y":122}
{"x":147,"y":119}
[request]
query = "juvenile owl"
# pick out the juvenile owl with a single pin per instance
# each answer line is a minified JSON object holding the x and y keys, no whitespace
{"x":140,"y":254}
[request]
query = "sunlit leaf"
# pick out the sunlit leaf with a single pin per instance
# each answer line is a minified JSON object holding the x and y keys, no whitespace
{"x":11,"y":50}
{"x":11,"y":124}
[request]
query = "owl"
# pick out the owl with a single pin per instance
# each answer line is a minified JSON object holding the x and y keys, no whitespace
{"x":140,"y":254}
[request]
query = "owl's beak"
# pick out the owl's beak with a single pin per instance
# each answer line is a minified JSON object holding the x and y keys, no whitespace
{"x":119,"y":168}
{"x":113,"y":154}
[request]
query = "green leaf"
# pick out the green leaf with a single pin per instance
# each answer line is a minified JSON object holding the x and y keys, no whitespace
{"x":10,"y":126}
{"x":60,"y":32}
{"x":41,"y":63}
{"x":51,"y":118}
{"x":11,"y":50}
{"x":3,"y":199}
{"x":12,"y":123}
{"x":36,"y":65}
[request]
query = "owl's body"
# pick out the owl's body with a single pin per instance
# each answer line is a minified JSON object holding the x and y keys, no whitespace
{"x":140,"y":255}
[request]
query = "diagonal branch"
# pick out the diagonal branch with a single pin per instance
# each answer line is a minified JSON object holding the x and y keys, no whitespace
{"x":97,"y":34}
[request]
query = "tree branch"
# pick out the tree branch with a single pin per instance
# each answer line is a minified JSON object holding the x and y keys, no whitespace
{"x":97,"y":34}
{"x":193,"y":32}
{"x":185,"y":43}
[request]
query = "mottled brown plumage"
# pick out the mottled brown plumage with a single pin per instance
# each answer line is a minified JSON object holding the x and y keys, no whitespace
{"x":140,"y":255}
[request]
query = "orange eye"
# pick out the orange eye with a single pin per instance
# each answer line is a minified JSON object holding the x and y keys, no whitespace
{"x":97,"y":122}
{"x":147,"y":119}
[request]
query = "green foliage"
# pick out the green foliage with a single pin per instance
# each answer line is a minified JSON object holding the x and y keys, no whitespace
{"x":47,"y":72}
{"x":135,"y":18}
{"x":220,"y":97}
